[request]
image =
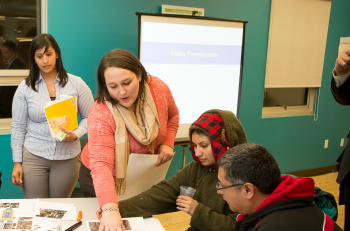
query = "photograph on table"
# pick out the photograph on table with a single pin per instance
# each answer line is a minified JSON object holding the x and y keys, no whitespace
{"x":52,"y":213}
{"x":14,"y":205}
{"x":94,"y":226}
{"x":10,"y":226}
{"x":126,"y":225}
{"x":27,"y":225}
{"x":5,"y":205}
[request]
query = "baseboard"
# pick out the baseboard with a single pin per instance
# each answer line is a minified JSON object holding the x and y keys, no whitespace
{"x":315,"y":171}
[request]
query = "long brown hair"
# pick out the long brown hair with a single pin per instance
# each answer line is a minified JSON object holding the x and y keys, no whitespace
{"x":40,"y":41}
{"x":122,"y":59}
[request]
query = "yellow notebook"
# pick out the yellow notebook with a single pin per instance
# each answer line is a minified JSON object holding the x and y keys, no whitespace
{"x":62,"y":113}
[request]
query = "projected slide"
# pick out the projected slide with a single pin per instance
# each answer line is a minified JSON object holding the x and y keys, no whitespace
{"x":201,"y":64}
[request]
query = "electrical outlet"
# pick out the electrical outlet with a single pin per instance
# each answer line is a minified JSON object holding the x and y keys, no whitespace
{"x":342,"y":142}
{"x":326,"y":144}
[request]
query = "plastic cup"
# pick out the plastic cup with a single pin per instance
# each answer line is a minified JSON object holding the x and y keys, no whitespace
{"x":187,"y":191}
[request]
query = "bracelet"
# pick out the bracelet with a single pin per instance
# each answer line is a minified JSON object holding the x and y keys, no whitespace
{"x":110,"y":209}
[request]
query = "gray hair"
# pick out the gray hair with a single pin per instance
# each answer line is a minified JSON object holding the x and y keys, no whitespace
{"x":251,"y":163}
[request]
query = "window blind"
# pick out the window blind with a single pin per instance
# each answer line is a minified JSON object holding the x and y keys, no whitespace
{"x":297,"y":43}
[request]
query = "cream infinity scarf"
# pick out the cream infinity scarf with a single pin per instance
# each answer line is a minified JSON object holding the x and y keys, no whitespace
{"x":143,"y":126}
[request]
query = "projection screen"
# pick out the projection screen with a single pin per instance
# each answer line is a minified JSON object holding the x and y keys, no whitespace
{"x":199,"y":58}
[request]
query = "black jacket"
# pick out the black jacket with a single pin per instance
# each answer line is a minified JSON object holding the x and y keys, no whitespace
{"x":342,"y":96}
{"x":16,"y":64}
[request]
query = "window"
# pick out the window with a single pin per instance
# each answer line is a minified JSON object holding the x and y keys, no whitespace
{"x":20,"y":22}
{"x":285,"y":97}
{"x":295,"y":56}
{"x":288,"y":102}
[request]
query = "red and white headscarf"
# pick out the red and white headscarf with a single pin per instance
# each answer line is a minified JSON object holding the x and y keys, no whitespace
{"x":214,"y":125}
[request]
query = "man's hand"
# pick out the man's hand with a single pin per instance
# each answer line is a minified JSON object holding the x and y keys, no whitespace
{"x":342,"y":64}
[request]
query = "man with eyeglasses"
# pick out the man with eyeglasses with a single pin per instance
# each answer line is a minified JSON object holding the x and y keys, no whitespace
{"x":251,"y":183}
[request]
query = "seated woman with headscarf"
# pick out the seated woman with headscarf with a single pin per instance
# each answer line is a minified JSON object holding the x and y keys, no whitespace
{"x":211,"y":135}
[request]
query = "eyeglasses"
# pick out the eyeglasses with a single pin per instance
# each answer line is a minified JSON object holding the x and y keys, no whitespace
{"x":219,"y":186}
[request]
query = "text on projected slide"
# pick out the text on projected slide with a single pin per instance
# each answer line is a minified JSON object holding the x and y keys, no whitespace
{"x":175,"y":53}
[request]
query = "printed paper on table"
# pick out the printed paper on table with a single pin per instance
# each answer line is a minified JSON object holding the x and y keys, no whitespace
{"x":10,"y":218}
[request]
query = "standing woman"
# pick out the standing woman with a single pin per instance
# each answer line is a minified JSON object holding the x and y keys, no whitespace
{"x":133,"y":113}
{"x":45,"y":166}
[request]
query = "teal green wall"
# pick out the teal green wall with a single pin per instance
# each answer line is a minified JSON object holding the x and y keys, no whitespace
{"x":8,"y":190}
{"x":87,"y":29}
{"x":296,"y":142}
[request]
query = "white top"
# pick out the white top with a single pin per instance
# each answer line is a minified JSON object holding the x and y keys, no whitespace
{"x":339,"y":80}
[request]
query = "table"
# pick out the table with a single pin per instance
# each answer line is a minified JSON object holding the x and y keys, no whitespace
{"x":176,"y":221}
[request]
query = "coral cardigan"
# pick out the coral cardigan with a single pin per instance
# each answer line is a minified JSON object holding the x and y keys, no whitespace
{"x":99,"y":154}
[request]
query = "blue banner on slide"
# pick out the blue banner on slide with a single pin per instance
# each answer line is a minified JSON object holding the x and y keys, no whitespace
{"x":177,"y":53}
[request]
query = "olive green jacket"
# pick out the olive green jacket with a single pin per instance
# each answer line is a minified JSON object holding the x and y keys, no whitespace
{"x":212,"y":212}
